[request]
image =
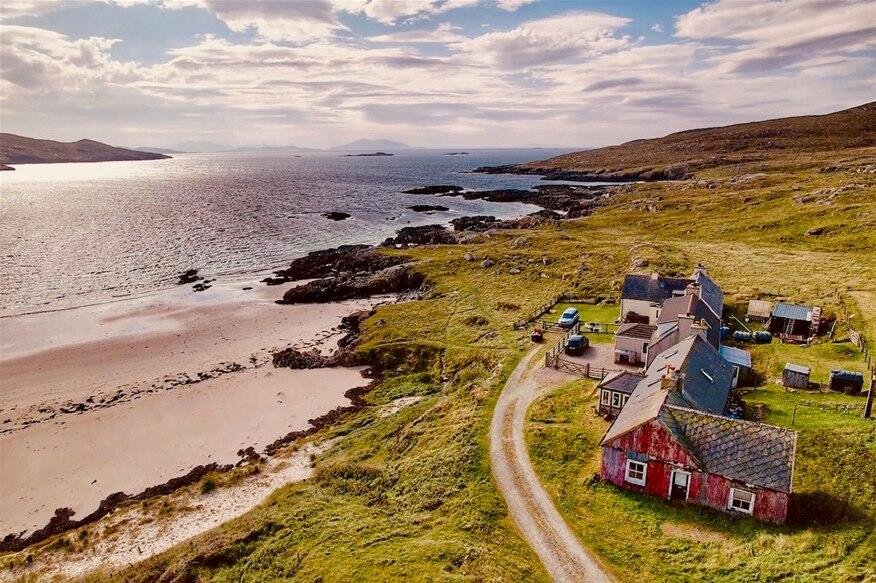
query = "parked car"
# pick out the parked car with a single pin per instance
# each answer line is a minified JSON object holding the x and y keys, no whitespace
{"x":576,"y":344}
{"x":537,"y":334}
{"x":569,"y":318}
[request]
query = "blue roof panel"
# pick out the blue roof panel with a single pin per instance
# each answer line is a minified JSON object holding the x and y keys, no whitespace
{"x":792,"y":312}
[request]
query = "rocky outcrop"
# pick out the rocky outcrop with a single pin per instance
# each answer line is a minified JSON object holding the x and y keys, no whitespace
{"x":336,"y":216}
{"x":435,"y":189}
{"x":578,"y":200}
{"x":424,"y":235}
{"x":329,"y":262}
{"x":396,"y":279}
{"x":190,"y":276}
{"x":427,"y":208}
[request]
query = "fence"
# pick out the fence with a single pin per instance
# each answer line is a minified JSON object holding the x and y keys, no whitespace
{"x":554,"y":359}
{"x":563,"y":297}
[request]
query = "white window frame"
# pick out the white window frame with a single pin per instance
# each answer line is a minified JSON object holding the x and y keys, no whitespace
{"x":616,"y":399}
{"x":730,"y":501}
{"x":606,"y":397}
{"x":644,"y":471}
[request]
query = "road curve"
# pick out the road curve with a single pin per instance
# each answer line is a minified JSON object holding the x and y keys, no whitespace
{"x":529,"y":505}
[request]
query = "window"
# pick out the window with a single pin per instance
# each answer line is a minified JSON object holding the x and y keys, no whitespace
{"x":615,"y":399}
{"x":626,"y":398}
{"x":636,"y":472}
{"x":741,"y":501}
{"x":644,"y":348}
{"x":605,"y":397}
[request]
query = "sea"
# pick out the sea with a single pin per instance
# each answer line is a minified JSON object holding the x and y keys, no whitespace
{"x":76,"y":234}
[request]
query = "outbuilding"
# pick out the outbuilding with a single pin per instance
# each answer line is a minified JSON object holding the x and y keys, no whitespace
{"x":793,"y":323}
{"x":796,"y":376}
{"x":614,"y":390}
{"x":758,"y":310}
{"x":631,"y":343}
{"x":740,"y":360}
{"x":846,"y":381}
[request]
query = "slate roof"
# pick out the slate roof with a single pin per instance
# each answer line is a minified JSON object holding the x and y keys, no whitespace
{"x":736,"y":356}
{"x":622,"y":381}
{"x":691,"y":305}
{"x":750,"y":452}
{"x":651,"y":289}
{"x":705,"y":385}
{"x":634,"y":330}
{"x":792,"y":312}
{"x":710,"y":292}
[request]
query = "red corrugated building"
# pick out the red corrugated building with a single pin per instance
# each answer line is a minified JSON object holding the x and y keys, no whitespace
{"x":671,"y":440}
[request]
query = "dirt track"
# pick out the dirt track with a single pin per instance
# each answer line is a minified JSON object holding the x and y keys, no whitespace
{"x":529,"y":505}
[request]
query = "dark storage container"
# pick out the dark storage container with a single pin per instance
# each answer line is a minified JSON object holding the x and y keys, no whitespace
{"x":846,"y":381}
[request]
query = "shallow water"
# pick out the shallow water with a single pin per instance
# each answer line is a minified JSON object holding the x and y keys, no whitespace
{"x":72,"y":234}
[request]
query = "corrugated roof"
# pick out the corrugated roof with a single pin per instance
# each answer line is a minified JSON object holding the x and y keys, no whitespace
{"x":651,"y":289}
{"x":797,"y":368}
{"x":750,"y":452}
{"x":635,"y":330}
{"x":622,"y":381}
{"x":759,"y":308}
{"x":792,"y":312}
{"x":736,"y":356}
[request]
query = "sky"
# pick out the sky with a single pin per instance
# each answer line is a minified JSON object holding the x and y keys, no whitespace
{"x":430,"y":73}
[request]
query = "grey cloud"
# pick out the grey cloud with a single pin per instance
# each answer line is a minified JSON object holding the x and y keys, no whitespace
{"x":612,"y":83}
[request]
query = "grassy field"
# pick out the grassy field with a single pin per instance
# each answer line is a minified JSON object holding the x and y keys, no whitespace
{"x":410,"y":496}
{"x":829,"y":538}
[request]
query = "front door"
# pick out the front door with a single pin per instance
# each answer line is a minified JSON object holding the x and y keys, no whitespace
{"x":680,"y":485}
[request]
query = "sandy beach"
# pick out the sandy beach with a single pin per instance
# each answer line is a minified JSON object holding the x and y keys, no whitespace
{"x":124,"y":395}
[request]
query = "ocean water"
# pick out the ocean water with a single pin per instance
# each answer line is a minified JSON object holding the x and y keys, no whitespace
{"x":73,"y":234}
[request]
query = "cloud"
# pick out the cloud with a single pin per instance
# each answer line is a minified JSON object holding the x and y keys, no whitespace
{"x":781,"y":34}
{"x":512,"y":5}
{"x":550,"y":40}
{"x":18,"y":8}
{"x":445,"y":33}
{"x":657,"y":27}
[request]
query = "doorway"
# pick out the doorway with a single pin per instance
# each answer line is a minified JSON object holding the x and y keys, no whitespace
{"x":680,"y":485}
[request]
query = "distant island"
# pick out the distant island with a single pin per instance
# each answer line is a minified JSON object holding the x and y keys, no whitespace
{"x":373,"y":144}
{"x":456,"y":154}
{"x":21,"y":150}
{"x":371,"y":154}
{"x":156,"y":150}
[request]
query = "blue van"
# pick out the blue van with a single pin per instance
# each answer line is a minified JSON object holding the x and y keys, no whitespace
{"x":569,"y":318}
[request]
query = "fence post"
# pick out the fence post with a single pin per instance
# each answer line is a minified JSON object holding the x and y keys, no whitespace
{"x":868,"y":408}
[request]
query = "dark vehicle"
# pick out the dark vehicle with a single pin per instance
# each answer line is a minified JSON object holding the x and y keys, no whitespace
{"x":576,"y":344}
{"x":537,"y":334}
{"x":569,"y":318}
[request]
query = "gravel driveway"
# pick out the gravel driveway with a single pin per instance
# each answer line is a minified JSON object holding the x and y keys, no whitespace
{"x":529,"y":505}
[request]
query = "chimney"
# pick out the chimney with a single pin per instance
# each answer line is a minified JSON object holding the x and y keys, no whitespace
{"x":655,"y":276}
{"x":671,"y":380}
{"x":700,"y":268}
{"x":692,"y":289}
{"x":699,"y":329}
{"x":685,"y":325}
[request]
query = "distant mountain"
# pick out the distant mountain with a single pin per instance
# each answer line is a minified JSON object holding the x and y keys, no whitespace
{"x":21,"y":150}
{"x":681,"y":154}
{"x":263,"y":148}
{"x":157,"y":150}
{"x":200,"y":146}
{"x":377,"y":144}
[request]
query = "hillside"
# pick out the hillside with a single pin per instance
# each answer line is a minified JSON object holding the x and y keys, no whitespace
{"x":681,"y":154}
{"x":21,"y":150}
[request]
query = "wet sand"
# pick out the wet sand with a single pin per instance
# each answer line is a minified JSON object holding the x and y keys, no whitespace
{"x":108,"y":398}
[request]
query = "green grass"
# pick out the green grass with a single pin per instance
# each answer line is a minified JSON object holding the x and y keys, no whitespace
{"x":644,"y":538}
{"x":410,"y":496}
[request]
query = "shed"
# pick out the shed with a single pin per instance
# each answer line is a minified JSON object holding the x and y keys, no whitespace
{"x":793,"y":323}
{"x":741,"y":362}
{"x":847,"y":381}
{"x":796,"y":376}
{"x":631,"y":343}
{"x":758,"y":310}
{"x":615,"y":389}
